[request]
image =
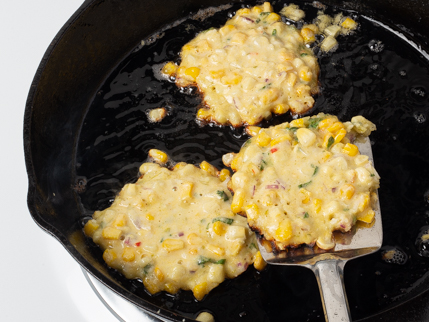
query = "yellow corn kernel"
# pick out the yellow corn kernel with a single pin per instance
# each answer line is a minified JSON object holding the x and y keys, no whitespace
{"x":151,"y":285}
{"x":237,"y":201}
{"x":280,"y":139}
{"x":186,"y":191}
{"x":328,"y":140}
{"x":291,"y":79}
{"x":217,"y":73}
{"x":364,"y":203}
{"x":285,"y":55}
{"x":193,"y":251}
{"x":340,"y":135}
{"x":181,"y":71}
{"x":224,"y":174}
{"x":215,"y":249}
{"x":350,"y":149}
{"x":202,"y":47}
{"x":349,"y":23}
{"x":305,"y":74}
{"x":171,"y":288}
{"x":109,"y":256}
{"x":367,"y":216}
{"x":158,"y":156}
{"x":284,"y":67}
{"x":111,"y":233}
{"x":266,"y":7}
{"x":169,"y":69}
{"x":208,"y":168}
{"x":335,"y":127}
{"x":308,"y":35}
{"x":179,"y":165}
{"x":273,"y":17}
{"x":128,"y":254}
{"x":235,"y":163}
{"x":269,"y":96}
{"x":232,"y":79}
{"x":192,"y":72}
{"x":149,"y":217}
{"x":297,"y":123}
{"x":263,"y":139}
{"x":243,"y":11}
{"x":317,"y":203}
{"x":194,"y":239}
{"x":187,"y":47}
{"x":306,"y":136}
{"x":238,"y":38}
{"x":235,"y":248}
{"x":347,"y":191}
{"x":219,"y":228}
{"x":170,"y":244}
{"x":120,"y":220}
{"x":325,"y":157}
{"x":305,"y":194}
{"x":159,"y":274}
{"x":204,"y":114}
{"x":253,"y":130}
{"x":259,"y":261}
{"x":257,"y":9}
{"x":90,"y":227}
{"x":281,"y":108}
{"x":325,"y":123}
{"x":200,"y":290}
{"x":226,"y":29}
{"x":252,"y":211}
{"x":284,"y":231}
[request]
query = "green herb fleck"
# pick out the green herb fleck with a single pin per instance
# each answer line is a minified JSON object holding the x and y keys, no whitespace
{"x":225,"y":220}
{"x":264,"y":13}
{"x":303,"y":185}
{"x":316,"y":169}
{"x":258,"y":20}
{"x":207,"y":227}
{"x":202,"y":260}
{"x":274,"y":32}
{"x":330,"y":142}
{"x":306,"y":215}
{"x":372,"y":175}
{"x":304,"y":54}
{"x":162,"y":239}
{"x":204,"y":31}
{"x":293,"y":128}
{"x":252,"y":246}
{"x":146,"y":269}
{"x":222,"y":194}
{"x":314,"y":122}
{"x":262,"y":165}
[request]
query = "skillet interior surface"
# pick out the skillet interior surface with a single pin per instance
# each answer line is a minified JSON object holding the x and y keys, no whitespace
{"x":86,"y":133}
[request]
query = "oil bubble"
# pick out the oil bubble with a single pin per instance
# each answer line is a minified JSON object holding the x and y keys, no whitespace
{"x":376,"y":46}
{"x":422,"y":242}
{"x":393,"y":255}
{"x":403,"y":73}
{"x":418,"y":93}
{"x":420,"y":117}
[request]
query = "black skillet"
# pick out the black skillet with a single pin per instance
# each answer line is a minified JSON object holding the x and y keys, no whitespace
{"x":86,"y":132}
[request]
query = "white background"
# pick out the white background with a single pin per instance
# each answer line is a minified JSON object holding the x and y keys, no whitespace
{"x":39,"y":281}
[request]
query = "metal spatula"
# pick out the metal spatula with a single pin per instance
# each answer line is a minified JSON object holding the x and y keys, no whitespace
{"x":328,"y":266}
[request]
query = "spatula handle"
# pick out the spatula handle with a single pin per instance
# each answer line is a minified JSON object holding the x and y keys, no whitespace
{"x":329,"y":275}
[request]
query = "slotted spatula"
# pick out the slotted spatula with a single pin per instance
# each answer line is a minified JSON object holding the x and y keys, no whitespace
{"x":328,"y":266}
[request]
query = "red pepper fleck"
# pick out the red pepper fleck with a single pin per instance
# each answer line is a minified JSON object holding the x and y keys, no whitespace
{"x":138,"y":243}
{"x":274,"y":150}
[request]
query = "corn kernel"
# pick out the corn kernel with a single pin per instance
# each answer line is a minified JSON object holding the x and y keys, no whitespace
{"x":193,"y":251}
{"x":280,"y":139}
{"x":235,"y":248}
{"x":349,"y":23}
{"x":305,"y":74}
{"x":232,"y":79}
{"x":341,"y":134}
{"x":203,"y":114}
{"x":253,"y":130}
{"x":347,"y":191}
{"x":335,"y":127}
{"x":367,"y":216}
{"x":325,"y":157}
{"x":325,"y":123}
{"x":194,"y":239}
{"x":159,"y":274}
{"x":243,"y":11}
{"x":305,"y":136}
{"x":192,"y":72}
{"x":200,"y":290}
{"x":187,"y":47}
{"x":169,"y":68}
{"x":120,"y":220}
{"x":350,"y":149}
{"x":269,"y":96}
{"x":226,"y":29}
{"x":215,"y":250}
{"x":128,"y":254}
{"x":90,"y":227}
{"x":291,"y":79}
{"x":219,"y":228}
{"x":208,"y":168}
{"x":111,"y":233}
{"x":308,"y":35}
{"x":252,"y":211}
{"x":257,"y":9}
{"x":281,"y":108}
{"x":217,"y":73}
{"x":158,"y":156}
{"x":202,"y":47}
{"x":263,"y":139}
{"x":170,"y":244}
{"x":305,"y":195}
{"x":238,"y":38}
{"x":237,"y":201}
{"x":171,"y":288}
{"x":297,"y":123}
{"x":364,"y":203}
{"x":109,"y":256}
{"x":259,"y":262}
{"x":273,"y":17}
{"x":234,"y":163}
{"x":179,"y":165}
{"x":224,"y":174}
{"x":149,"y":217}
{"x":284,"y":55}
{"x":150,"y":285}
{"x":317,"y":203}
{"x":284,"y":231}
{"x":186,"y":191}
{"x":328,"y":140}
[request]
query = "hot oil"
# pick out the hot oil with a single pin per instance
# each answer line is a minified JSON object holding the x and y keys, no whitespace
{"x":374,"y":73}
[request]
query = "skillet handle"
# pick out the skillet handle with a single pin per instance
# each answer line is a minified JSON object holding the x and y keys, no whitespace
{"x":329,"y":275}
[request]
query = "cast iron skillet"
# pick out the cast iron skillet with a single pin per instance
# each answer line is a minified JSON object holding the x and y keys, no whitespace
{"x":61,"y":125}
